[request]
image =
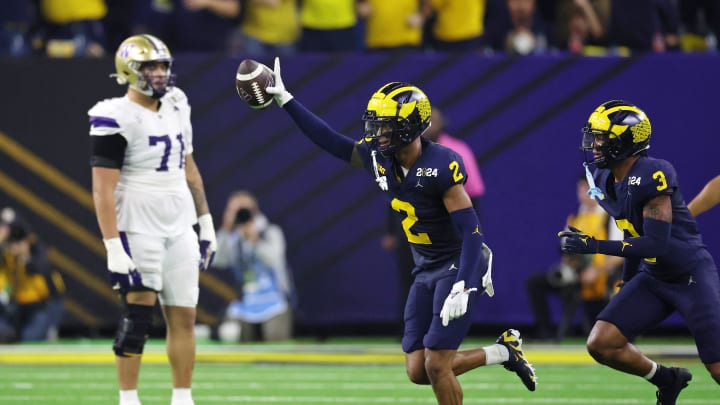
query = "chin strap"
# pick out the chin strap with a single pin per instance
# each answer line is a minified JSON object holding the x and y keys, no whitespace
{"x":594,"y":192}
{"x":381,"y":180}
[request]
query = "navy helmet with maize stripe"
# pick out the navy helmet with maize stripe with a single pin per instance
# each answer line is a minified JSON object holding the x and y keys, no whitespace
{"x":398,"y":111}
{"x":615,"y":131}
{"x":136,"y":52}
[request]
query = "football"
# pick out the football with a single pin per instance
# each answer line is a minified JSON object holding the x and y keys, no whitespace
{"x":250,"y":82}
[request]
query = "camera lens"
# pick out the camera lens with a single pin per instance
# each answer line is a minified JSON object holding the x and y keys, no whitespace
{"x":243,"y":215}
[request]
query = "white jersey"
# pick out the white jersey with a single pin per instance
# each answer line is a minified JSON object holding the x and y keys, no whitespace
{"x":152,"y":196}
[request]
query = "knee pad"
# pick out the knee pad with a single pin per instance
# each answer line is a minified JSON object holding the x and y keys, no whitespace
{"x":133,"y":330}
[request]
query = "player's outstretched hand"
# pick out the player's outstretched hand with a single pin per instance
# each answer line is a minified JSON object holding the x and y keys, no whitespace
{"x":577,"y":242}
{"x":208,"y":243}
{"x":456,"y":302}
{"x":278,"y":91}
{"x":122,"y":271}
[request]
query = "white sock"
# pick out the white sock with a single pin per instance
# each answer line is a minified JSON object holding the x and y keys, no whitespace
{"x":129,"y":397}
{"x":652,"y":372}
{"x":181,"y":396}
{"x":496,"y":354}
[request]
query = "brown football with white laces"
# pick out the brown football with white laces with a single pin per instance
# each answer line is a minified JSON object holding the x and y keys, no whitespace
{"x":251,"y":80}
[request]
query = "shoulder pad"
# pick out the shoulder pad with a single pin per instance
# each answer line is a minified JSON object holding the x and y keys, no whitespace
{"x":107,"y":117}
{"x":653,"y":177}
{"x":450,"y":165}
{"x":176,"y":97}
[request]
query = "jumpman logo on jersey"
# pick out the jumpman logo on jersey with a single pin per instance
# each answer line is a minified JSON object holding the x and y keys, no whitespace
{"x":691,"y":281}
{"x":452,"y":267}
{"x":624,"y":245}
{"x":477,"y":230}
{"x":419,"y":184}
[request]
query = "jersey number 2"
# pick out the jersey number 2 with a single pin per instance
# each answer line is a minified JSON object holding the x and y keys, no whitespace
{"x":421,"y":238}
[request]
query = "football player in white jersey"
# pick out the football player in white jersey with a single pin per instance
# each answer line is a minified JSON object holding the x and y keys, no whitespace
{"x":148,"y":194}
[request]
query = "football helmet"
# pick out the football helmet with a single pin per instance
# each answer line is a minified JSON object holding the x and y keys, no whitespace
{"x":130,"y":57}
{"x":399,"y":111}
{"x":615,"y":131}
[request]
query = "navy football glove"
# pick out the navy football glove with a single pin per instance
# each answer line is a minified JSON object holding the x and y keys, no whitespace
{"x":577,"y":242}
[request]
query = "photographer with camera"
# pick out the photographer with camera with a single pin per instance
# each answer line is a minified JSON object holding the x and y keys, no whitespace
{"x":578,"y":280}
{"x":31,"y":293}
{"x":254,"y":249}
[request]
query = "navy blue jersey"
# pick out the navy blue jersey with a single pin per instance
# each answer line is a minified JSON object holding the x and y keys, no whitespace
{"x":417,"y":197}
{"x":624,"y":200}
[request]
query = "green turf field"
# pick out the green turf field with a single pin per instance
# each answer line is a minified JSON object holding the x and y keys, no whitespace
{"x":344,"y":373}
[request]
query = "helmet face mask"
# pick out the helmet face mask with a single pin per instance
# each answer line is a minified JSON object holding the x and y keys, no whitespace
{"x":396,"y":115}
{"x":615,"y":131}
{"x":136,"y":62}
{"x":156,"y":76}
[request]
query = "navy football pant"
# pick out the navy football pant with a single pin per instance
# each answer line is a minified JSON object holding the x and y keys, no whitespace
{"x":423,"y":326}
{"x":645,"y":301}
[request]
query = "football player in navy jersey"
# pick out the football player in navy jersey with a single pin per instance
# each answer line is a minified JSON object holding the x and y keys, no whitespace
{"x":667,"y":267}
{"x":423,"y":183}
{"x":148,"y":194}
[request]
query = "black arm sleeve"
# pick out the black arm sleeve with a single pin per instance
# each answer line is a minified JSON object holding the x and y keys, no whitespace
{"x":108,"y":151}
{"x":320,"y":132}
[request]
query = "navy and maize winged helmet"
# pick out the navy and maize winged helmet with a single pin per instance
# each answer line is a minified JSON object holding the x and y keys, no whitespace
{"x":622,"y":129}
{"x":130,"y":57}
{"x":399,"y":111}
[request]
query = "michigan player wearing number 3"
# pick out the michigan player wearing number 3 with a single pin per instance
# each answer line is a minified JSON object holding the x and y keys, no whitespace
{"x":667,"y":267}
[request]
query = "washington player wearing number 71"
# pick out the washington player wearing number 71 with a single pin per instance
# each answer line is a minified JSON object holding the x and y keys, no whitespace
{"x":148,"y":194}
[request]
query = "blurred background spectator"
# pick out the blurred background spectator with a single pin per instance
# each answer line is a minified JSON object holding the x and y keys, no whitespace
{"x":582,"y":26}
{"x":393,"y":25}
{"x":16,"y":19}
{"x":69,"y":28}
{"x":189,"y":25}
{"x":454,"y":25}
{"x":516,"y":27}
{"x":528,"y":33}
{"x":88,"y":28}
{"x":644,"y":25}
{"x":254,"y":250}
{"x":30,"y":291}
{"x":700,"y":24}
{"x":267,"y":27}
{"x":329,"y":26}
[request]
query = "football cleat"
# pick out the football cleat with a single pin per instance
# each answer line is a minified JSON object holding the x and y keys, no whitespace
{"x":517,"y":362}
{"x":667,"y":394}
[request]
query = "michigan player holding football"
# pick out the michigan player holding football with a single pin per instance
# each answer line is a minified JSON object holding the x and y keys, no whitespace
{"x":423,"y":183}
{"x":667,"y":267}
{"x":148,"y":194}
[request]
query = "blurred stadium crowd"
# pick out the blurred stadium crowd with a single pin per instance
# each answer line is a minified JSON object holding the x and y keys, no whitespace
{"x":93,"y":28}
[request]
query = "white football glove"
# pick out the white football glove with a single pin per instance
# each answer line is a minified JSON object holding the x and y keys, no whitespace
{"x":208,"y":243}
{"x":123,"y":272}
{"x":456,"y":302}
{"x":487,"y":283}
{"x":278,"y":91}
